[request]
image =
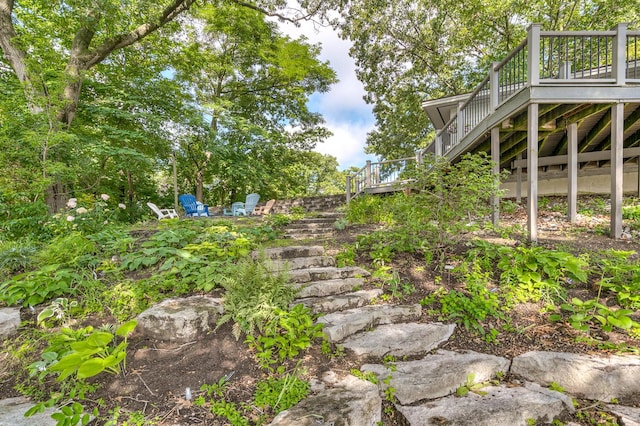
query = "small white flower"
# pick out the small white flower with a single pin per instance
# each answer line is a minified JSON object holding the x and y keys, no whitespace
{"x":105,"y":197}
{"x":122,"y":206}
{"x":70,"y":218}
{"x":81,"y":210}
{"x":72,"y":203}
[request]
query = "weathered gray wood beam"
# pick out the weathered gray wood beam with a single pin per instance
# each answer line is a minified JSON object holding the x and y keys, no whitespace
{"x":572,"y":154}
{"x":532,"y":172}
{"x":617,"y":145}
{"x":600,"y":127}
{"x":581,"y":113}
{"x":584,"y":157}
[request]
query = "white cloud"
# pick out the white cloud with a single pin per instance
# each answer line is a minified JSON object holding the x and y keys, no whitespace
{"x":343,"y":107}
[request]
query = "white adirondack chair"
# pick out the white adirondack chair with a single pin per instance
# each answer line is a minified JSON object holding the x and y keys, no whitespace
{"x":163,"y":213}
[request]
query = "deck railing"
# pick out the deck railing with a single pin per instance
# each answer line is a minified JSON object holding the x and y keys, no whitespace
{"x":546,"y":58}
{"x":379,"y":176}
{"x":543,"y":58}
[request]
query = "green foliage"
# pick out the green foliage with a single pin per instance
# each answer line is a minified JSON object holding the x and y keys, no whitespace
{"x":71,"y":415}
{"x":35,"y":287}
{"x":621,"y":277}
{"x":253,"y":294}
{"x":470,"y":385}
{"x":369,"y":376}
{"x":280,"y":394}
{"x":73,"y":249}
{"x":584,"y":314}
{"x":16,"y":256}
{"x":59,"y":309}
{"x":346,"y":256}
{"x":91,"y":354}
{"x":285,"y":335}
{"x":368,"y":209}
{"x":229,"y":411}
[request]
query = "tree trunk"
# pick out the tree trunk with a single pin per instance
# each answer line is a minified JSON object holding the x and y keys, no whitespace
{"x":199,"y":180}
{"x":56,"y":197}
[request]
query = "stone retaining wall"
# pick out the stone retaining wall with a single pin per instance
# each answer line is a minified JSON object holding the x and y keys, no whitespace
{"x":310,"y":204}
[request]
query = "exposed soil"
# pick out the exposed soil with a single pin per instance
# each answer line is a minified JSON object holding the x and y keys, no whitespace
{"x":158,"y":373}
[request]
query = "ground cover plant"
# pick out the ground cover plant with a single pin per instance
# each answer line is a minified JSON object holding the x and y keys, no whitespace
{"x":575,"y":291}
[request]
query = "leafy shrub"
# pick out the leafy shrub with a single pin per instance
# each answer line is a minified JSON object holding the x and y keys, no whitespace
{"x":34,"y":287}
{"x":280,"y":394}
{"x":368,"y":209}
{"x":253,"y":295}
{"x":73,"y":249}
{"x":16,"y":256}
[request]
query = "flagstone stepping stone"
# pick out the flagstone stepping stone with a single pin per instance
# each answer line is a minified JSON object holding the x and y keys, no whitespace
{"x":180,"y":320}
{"x":588,"y":376}
{"x":9,"y":321}
{"x":630,"y":416}
{"x":340,"y":325}
{"x":328,"y":273}
{"x":342,"y":301}
{"x":350,"y":401}
{"x":328,"y":287}
{"x":501,"y":406}
{"x":399,"y":340}
{"x":437,"y":375}
{"x":12,"y":413}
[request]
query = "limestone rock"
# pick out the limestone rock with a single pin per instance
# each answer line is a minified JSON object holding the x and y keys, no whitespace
{"x":630,"y":416}
{"x":343,"y":324}
{"x":437,"y":375}
{"x":9,"y":321}
{"x":180,"y":320}
{"x":591,"y":377}
{"x":328,"y":287}
{"x":501,"y":406}
{"x":327,"y":273}
{"x":399,"y":339}
{"x":300,"y":263}
{"x":289,"y":252}
{"x":12,"y":413}
{"x":349,"y":402}
{"x":341,"y":301}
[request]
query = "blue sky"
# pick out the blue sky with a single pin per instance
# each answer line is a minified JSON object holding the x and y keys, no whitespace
{"x":345,"y":112}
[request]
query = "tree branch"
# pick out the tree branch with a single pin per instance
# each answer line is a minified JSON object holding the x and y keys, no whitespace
{"x":98,"y":54}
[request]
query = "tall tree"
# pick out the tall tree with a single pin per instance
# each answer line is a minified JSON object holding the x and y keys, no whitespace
{"x":51,"y":46}
{"x":254,"y":91}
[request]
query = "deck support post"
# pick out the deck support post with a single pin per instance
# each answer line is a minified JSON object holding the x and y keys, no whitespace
{"x":348,"y":189}
{"x":495,"y":159}
{"x":438,"y":145}
{"x":617,"y":164}
{"x":519,"y":180}
{"x":572,"y":169}
{"x":638,"y":161}
{"x":532,"y":172}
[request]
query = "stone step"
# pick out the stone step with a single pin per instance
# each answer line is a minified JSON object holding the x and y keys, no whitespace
{"x":340,"y":325}
{"x":307,"y":236}
{"x":437,"y":375}
{"x":407,"y":339}
{"x":289,"y":252}
{"x":586,"y":376}
{"x":501,"y":405}
{"x":310,"y":225}
{"x":327,"y":273}
{"x":279,"y":265}
{"x":348,"y":401}
{"x":339,"y":302}
{"x":329,"y":287}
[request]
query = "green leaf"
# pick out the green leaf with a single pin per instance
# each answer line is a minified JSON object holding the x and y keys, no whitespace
{"x":90,"y":368}
{"x":125,"y":329}
{"x":623,"y":322}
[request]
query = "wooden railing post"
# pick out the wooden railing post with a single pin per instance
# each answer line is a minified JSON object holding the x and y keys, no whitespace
{"x":533,"y":42}
{"x":348,"y":189}
{"x":460,"y":122}
{"x":494,"y":87}
{"x":367,"y":175}
{"x":619,"y":66}
{"x":439,"y":144}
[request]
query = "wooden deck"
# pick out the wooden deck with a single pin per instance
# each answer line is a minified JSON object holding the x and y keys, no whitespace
{"x":561,"y":100}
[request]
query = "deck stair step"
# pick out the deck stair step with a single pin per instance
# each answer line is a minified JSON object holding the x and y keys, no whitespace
{"x":340,"y":302}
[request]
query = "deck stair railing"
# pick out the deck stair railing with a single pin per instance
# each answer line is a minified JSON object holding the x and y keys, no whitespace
{"x":543,"y":58}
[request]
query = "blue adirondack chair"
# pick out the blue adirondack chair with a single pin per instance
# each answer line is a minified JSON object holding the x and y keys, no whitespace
{"x":193,"y":208}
